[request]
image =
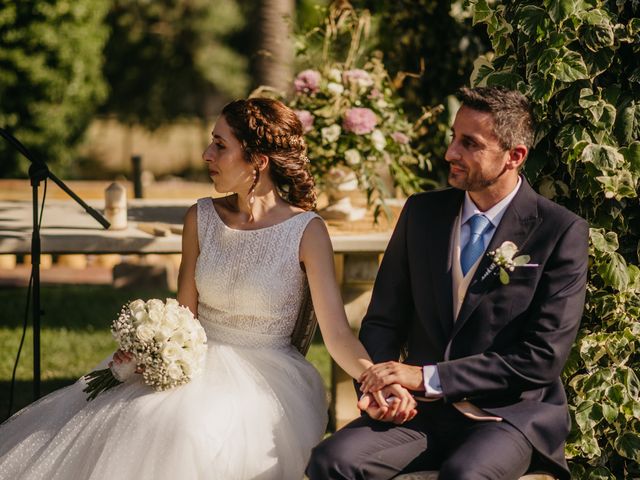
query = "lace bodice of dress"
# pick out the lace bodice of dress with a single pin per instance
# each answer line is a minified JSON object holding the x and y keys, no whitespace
{"x":250,"y":284}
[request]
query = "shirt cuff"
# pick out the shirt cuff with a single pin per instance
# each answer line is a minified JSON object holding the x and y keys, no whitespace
{"x":432,"y":386}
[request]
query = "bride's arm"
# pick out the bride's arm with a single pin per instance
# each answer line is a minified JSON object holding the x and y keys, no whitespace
{"x":316,"y":253}
{"x":187,"y":292}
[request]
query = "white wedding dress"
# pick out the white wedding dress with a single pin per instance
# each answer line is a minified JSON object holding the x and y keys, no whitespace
{"x":254,"y":413}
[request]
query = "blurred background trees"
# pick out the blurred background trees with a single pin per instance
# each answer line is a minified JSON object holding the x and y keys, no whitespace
{"x":51,"y":80}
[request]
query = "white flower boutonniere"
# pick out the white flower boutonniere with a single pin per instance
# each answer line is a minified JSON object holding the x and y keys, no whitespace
{"x":505,"y":260}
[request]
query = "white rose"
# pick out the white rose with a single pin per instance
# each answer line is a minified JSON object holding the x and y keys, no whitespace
{"x":136,"y":306}
{"x":352,"y":156}
{"x":172,"y":302}
{"x":144,"y":333}
{"x":162,"y":333}
{"x":382,"y":103}
{"x":331,"y":134}
{"x":186,"y":367}
{"x":174,"y":371}
{"x":335,"y":75}
{"x":141,"y":316}
{"x":155,"y":304}
{"x":507,"y":250}
{"x":181,"y":337}
{"x":171,"y":352}
{"x":378,"y":140}
{"x":170,"y":318}
{"x":335,"y":88}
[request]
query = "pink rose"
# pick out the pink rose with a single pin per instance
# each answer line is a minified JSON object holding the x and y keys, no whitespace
{"x":400,"y":137}
{"x":307,"y":81}
{"x":306,"y":119}
{"x":359,"y":120}
{"x":358,"y":76}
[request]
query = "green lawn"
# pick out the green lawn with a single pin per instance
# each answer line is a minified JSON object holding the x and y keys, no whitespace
{"x":75,"y":336}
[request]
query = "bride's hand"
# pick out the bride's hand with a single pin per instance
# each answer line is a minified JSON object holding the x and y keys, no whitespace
{"x":391,"y":404}
{"x":124,"y":357}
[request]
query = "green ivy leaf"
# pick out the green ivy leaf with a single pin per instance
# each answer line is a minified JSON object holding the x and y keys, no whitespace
{"x":532,"y":21}
{"x":570,"y":67}
{"x":627,"y":127}
{"x":628,"y":445}
{"x":603,"y":242}
{"x":614,"y":272}
{"x":481,"y":12}
{"x":600,"y":473}
{"x":588,"y":415}
{"x":559,"y":10}
{"x":632,"y":155}
{"x":604,"y":157}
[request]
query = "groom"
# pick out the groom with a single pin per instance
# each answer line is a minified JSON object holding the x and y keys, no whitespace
{"x":482,"y":350}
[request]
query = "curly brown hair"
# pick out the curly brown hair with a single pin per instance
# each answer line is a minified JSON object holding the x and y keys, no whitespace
{"x":268,"y":127}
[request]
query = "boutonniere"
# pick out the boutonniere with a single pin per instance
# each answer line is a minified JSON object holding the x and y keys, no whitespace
{"x":505,"y":260}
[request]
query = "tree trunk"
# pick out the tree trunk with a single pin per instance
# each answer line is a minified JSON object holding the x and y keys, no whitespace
{"x":274,"y":52}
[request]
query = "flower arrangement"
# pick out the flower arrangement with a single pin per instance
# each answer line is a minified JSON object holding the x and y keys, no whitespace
{"x":167,"y":342}
{"x":353,"y":120}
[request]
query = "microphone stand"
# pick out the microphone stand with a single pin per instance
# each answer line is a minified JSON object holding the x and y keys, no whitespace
{"x":38,"y":172}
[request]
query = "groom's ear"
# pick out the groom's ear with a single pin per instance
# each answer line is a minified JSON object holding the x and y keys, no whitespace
{"x":517,"y":155}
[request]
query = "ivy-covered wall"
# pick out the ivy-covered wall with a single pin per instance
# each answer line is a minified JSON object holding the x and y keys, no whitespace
{"x":579,"y":61}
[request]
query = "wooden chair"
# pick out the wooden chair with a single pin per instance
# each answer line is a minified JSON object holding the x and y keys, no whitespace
{"x":305,"y":325}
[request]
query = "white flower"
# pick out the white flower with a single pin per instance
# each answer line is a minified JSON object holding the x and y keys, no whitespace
{"x":335,"y":88}
{"x":335,"y":75}
{"x":155,"y":304}
{"x":331,"y":134}
{"x":141,"y":316}
{"x":506,"y":251}
{"x":180,"y":337}
{"x":378,"y":140}
{"x":137,"y":306}
{"x":162,"y":333}
{"x":171,"y":352}
{"x":144,"y":333}
{"x":174,"y":371}
{"x":352,"y":157}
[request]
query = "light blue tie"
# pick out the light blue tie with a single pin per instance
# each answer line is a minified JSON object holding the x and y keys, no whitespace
{"x":475,"y":246}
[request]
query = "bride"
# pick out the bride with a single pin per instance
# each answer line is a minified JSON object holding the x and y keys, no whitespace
{"x":259,"y":407}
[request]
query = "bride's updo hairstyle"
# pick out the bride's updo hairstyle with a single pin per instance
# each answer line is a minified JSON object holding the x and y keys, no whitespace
{"x":268,"y":127}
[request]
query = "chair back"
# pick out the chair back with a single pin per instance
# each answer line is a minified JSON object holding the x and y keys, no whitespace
{"x":305,"y":325}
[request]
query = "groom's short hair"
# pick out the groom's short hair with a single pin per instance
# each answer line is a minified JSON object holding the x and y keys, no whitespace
{"x":511,"y":112}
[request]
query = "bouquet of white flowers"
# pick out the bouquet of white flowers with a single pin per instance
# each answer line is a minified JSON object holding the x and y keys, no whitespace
{"x":167,"y":342}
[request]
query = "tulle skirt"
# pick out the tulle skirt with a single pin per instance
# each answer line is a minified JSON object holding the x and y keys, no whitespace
{"x":254,"y":413}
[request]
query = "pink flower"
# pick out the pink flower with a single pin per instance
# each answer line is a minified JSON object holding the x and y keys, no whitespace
{"x":306,"y":119}
{"x":359,"y":120}
{"x":375,"y":93}
{"x":400,"y":137}
{"x":358,"y":76}
{"x":307,"y":81}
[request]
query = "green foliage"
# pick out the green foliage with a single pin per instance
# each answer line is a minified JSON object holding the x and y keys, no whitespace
{"x":579,"y":61}
{"x":170,"y":58}
{"x":50,"y":76}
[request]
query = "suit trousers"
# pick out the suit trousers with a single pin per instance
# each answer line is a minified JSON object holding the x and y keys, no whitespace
{"x":438,"y":438}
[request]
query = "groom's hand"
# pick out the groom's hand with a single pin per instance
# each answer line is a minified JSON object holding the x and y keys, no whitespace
{"x":400,"y":404}
{"x":387,"y":373}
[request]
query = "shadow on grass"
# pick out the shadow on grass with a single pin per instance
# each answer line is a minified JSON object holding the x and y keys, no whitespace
{"x":82,"y":307}
{"x":23,"y":393}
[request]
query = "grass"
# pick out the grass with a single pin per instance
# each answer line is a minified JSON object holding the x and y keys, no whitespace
{"x":75,"y":337}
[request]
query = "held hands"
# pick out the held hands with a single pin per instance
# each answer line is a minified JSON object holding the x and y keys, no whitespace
{"x":397,"y":405}
{"x":380,"y":375}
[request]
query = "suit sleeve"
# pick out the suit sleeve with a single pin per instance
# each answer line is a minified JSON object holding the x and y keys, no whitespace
{"x":549,"y":329}
{"x":384,"y":327}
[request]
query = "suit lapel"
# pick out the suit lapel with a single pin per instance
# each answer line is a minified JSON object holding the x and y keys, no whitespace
{"x":439,"y":235}
{"x":519,"y":221}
